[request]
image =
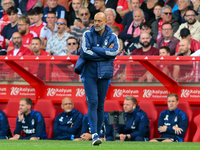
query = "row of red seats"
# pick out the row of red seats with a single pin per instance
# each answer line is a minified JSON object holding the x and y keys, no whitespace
{"x":46,"y":107}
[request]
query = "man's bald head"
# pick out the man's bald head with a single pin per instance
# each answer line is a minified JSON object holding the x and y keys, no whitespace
{"x":67,"y":104}
{"x":62,"y":20}
{"x":16,"y":34}
{"x":184,"y":47}
{"x":101,"y":14}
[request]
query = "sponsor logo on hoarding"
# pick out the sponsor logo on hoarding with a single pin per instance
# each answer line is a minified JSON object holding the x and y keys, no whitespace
{"x":22,"y":91}
{"x":185,"y":93}
{"x":3,"y":91}
{"x":124,"y":93}
{"x":155,"y":93}
{"x":80,"y":92}
{"x":59,"y":92}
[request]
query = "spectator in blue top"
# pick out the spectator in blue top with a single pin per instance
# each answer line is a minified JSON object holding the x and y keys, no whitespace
{"x":9,"y":29}
{"x":137,"y":122}
{"x":173,"y":122}
{"x":29,"y":121}
{"x":53,"y":6}
{"x":183,"y":6}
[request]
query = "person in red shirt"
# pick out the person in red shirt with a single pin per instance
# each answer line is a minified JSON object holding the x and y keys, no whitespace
{"x":36,"y":67}
{"x":36,"y":44}
{"x":26,"y":34}
{"x":39,"y":27}
{"x":123,"y":7}
{"x":111,"y":15}
{"x":18,"y":49}
{"x":185,"y":34}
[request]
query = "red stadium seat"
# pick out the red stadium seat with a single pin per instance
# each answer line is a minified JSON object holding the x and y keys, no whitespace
{"x":111,"y":105}
{"x":48,"y":111}
{"x":81,"y":106}
{"x":11,"y":112}
{"x":196,"y":137}
{"x":149,"y":108}
{"x":184,"y":105}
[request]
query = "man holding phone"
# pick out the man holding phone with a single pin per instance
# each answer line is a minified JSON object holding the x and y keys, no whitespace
{"x":82,"y":23}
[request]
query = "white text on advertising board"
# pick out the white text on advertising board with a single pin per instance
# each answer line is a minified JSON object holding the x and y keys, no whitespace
{"x":80,"y":92}
{"x":124,"y":93}
{"x":185,"y":93}
{"x":22,"y":91}
{"x":59,"y":92}
{"x":155,"y":93}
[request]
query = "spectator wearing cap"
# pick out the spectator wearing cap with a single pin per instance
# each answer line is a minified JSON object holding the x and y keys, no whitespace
{"x":167,"y":39}
{"x":192,"y":24}
{"x":166,"y":17}
{"x":185,"y":34}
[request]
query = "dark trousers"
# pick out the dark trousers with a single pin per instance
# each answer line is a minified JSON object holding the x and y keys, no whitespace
{"x":95,"y":92}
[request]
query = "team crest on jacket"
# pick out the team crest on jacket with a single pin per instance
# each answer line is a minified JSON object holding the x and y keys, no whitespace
{"x":166,"y":117}
{"x":61,"y":119}
{"x":105,"y":44}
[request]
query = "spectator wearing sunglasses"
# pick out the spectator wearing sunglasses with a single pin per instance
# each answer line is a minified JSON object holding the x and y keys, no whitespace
{"x":166,"y":17}
{"x":72,"y":46}
{"x":56,"y":45}
{"x":192,"y":24}
{"x":82,"y":24}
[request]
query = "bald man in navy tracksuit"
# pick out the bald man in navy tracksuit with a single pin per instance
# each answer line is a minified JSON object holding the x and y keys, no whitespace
{"x":99,"y":47}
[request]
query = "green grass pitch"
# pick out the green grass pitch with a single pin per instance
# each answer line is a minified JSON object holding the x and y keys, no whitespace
{"x":86,"y":145}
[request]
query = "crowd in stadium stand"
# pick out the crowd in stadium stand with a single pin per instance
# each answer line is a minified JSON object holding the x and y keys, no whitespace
{"x":60,"y":25}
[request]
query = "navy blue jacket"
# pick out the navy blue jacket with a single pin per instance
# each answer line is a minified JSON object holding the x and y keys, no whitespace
{"x":98,"y":57}
{"x":128,"y":18}
{"x":129,"y":37}
{"x":59,"y":10}
{"x":68,"y":125}
{"x":4,"y":126}
{"x":33,"y":125}
{"x":173,"y":118}
{"x":137,"y":124}
{"x":177,"y":15}
{"x":108,"y":128}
